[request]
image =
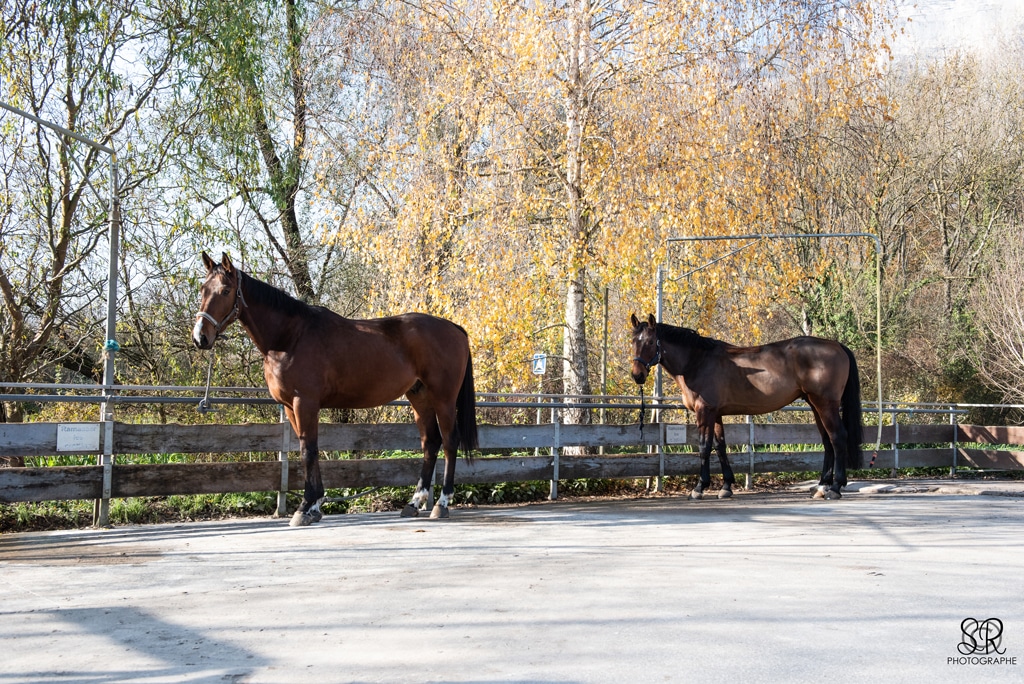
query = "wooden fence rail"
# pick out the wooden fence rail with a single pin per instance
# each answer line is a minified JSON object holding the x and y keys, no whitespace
{"x":763,"y":450}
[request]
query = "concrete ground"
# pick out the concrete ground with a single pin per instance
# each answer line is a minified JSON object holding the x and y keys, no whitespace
{"x":760,"y":588}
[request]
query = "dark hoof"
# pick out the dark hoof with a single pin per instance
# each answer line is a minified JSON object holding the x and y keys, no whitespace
{"x":410,"y":511}
{"x":316,"y":515}
{"x":696,"y":496}
{"x":724,"y":493}
{"x":301,"y":519}
{"x":439,"y":511}
{"x":832,"y":495}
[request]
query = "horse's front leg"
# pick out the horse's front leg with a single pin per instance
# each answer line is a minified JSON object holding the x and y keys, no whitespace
{"x":728,"y":479}
{"x":705,"y":436}
{"x":306,"y":425}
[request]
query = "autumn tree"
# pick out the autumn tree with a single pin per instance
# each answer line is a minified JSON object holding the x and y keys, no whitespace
{"x":569,"y":140}
{"x":64,"y":62}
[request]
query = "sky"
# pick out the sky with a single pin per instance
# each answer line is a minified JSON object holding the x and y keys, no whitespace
{"x":938,"y":24}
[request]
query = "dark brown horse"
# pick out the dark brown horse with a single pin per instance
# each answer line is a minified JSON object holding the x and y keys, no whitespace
{"x":718,"y":379}
{"x":313,"y":359}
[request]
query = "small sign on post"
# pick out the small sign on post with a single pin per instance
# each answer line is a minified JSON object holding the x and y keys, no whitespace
{"x":540,"y":363}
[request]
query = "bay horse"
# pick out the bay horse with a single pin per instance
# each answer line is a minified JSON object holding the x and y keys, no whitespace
{"x":718,"y":379}
{"x":314,"y":358}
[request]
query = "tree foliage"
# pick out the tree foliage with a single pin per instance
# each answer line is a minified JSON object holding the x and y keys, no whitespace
{"x":540,"y":152}
{"x":504,"y":164}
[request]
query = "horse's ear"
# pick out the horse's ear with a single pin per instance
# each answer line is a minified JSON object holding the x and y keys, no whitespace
{"x":225,"y":261}
{"x":208,"y":262}
{"x":651,"y":321}
{"x":633,"y":319}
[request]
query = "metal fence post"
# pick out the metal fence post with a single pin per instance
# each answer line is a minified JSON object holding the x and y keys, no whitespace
{"x":750,"y":451}
{"x":662,"y":444}
{"x":101,"y":510}
{"x":556,"y":449}
{"x":955,"y":443}
{"x":895,"y":444}
{"x":282,"y":456}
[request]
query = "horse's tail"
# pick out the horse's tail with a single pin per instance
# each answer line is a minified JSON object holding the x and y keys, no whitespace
{"x":465,"y":410}
{"x":851,"y":414}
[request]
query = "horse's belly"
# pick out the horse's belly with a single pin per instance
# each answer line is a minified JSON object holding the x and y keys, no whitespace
{"x":758,"y":402}
{"x":343,"y":394}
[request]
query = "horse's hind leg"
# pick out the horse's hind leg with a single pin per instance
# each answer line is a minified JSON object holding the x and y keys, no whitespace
{"x":450,"y":437}
{"x":430,"y":440}
{"x":728,"y":479}
{"x":833,"y":441}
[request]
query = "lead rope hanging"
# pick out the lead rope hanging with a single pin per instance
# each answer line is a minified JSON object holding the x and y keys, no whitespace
{"x":204,"y":403}
{"x":642,"y":410}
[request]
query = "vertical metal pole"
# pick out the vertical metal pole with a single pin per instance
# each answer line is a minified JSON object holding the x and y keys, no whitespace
{"x":282,"y":456}
{"x":878,"y":331}
{"x":955,"y":443}
{"x":662,"y":440}
{"x":750,"y":452}
{"x":659,"y":312}
{"x":604,"y":368}
{"x":556,"y":449}
{"x":895,"y":444}
{"x":540,"y":400}
{"x":101,"y":513}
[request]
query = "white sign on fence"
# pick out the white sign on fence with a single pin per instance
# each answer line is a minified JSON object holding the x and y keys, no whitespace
{"x":78,"y":437}
{"x":675,"y":434}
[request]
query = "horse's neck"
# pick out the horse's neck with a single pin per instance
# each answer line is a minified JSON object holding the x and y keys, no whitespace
{"x":679,"y":359}
{"x":269,"y":328}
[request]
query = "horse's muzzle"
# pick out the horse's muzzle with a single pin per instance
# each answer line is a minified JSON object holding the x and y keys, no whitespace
{"x":199,"y":337}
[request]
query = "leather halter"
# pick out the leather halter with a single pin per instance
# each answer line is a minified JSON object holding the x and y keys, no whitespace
{"x":656,"y":359}
{"x":219,"y":326}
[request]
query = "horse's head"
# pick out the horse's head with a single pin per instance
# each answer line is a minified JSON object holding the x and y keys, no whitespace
{"x":646,"y":347}
{"x":220,"y":298}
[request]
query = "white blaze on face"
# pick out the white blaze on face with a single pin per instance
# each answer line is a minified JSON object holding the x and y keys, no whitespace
{"x":197,"y":331}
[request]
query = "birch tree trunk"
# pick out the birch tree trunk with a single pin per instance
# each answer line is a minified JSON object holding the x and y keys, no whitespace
{"x":576,"y":378}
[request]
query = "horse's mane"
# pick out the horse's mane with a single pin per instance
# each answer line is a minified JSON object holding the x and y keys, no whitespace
{"x":684,"y":336}
{"x":263,"y":294}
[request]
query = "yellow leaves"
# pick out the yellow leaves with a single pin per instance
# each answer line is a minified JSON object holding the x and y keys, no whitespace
{"x":684,"y":132}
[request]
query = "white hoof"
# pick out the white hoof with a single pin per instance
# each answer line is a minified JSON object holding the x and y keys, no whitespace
{"x":439,"y":512}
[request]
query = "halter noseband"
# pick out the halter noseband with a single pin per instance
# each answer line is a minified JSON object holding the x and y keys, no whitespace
{"x":656,"y":359}
{"x":219,"y":326}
